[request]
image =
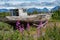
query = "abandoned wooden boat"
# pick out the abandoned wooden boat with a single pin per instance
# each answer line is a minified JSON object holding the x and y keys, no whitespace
{"x":19,"y":14}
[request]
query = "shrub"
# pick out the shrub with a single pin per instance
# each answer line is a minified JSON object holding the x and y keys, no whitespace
{"x":3,"y":14}
{"x":52,"y":33}
{"x":5,"y":26}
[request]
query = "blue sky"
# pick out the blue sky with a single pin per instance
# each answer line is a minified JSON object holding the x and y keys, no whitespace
{"x":40,"y":0}
{"x":16,"y":2}
{"x":30,"y":0}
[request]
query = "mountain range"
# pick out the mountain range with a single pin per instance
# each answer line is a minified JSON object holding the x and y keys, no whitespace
{"x":4,"y":10}
{"x":30,"y":10}
{"x":43,"y":10}
{"x":55,"y":8}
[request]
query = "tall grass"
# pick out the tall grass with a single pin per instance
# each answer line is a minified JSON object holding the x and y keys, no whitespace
{"x":51,"y":33}
{"x":3,"y":14}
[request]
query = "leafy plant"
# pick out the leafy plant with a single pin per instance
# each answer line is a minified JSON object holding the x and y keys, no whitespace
{"x":5,"y":26}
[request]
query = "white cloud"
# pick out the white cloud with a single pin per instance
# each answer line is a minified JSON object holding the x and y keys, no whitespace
{"x":17,"y":3}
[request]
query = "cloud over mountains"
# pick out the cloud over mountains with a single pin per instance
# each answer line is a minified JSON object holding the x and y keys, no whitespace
{"x":27,"y":3}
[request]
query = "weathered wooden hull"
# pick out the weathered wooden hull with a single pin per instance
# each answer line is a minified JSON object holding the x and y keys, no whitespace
{"x":29,"y":18}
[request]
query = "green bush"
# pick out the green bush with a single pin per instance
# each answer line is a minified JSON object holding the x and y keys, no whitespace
{"x":56,"y":15}
{"x":3,"y":14}
{"x":5,"y":26}
{"x":52,"y":33}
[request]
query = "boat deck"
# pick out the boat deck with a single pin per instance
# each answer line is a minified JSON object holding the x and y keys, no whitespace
{"x":29,"y":18}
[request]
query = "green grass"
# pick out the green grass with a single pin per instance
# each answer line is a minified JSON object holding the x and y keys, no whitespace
{"x":5,"y":26}
{"x":51,"y":33}
{"x":54,"y":20}
{"x":3,"y":14}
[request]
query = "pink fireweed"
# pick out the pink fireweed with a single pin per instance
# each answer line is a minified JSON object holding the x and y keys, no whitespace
{"x":22,"y":29}
{"x":19,"y":27}
{"x":38,"y":28}
{"x":38,"y":32}
{"x":17,"y":24}
{"x":40,"y":25}
{"x":28,"y":26}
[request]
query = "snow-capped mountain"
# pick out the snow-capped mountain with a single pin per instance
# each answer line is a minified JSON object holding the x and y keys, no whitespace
{"x":30,"y":10}
{"x":4,"y":10}
{"x":55,"y":8}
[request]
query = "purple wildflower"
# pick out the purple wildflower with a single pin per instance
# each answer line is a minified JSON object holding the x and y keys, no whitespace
{"x":38,"y":32}
{"x":21,"y":29}
{"x":40,"y":25}
{"x":17,"y":24}
{"x":28,"y":26}
{"x":38,"y":28}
